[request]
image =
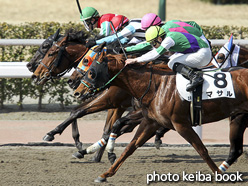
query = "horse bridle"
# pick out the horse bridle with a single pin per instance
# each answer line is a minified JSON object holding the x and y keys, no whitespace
{"x":93,"y":90}
{"x":61,"y":52}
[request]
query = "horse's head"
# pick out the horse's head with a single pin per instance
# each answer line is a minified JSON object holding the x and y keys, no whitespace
{"x":41,"y":52}
{"x":95,"y":78}
{"x":61,"y":57}
{"x":84,"y":65}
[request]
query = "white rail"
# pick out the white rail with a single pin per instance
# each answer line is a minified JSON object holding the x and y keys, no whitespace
{"x":32,"y":42}
{"x":18,"y":70}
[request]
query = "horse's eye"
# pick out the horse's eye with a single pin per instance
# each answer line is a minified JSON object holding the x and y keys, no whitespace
{"x":92,"y":74}
{"x":46,"y":45}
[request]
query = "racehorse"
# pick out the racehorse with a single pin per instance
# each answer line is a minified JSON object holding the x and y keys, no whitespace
{"x":42,"y":50}
{"x":163,"y":106}
{"x":69,"y":56}
{"x":129,"y":122}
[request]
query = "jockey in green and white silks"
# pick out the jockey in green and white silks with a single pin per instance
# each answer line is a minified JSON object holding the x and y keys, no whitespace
{"x":191,"y":52}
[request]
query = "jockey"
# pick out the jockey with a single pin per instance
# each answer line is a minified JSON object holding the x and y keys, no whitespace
{"x":130,"y":34}
{"x":190,"y":52}
{"x":91,"y":19}
{"x":152,"y":19}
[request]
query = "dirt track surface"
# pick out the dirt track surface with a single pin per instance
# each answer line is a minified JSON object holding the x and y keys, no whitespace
{"x":55,"y":166}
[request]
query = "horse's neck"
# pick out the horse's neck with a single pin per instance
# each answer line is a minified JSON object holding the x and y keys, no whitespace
{"x":140,"y":81}
{"x":78,"y":51}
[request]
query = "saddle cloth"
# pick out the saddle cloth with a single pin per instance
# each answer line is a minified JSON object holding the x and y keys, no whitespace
{"x":216,"y":85}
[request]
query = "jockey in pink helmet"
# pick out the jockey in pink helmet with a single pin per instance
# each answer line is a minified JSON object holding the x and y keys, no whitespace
{"x":150,"y":19}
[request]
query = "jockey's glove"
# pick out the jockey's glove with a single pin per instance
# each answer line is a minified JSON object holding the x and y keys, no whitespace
{"x":90,"y":43}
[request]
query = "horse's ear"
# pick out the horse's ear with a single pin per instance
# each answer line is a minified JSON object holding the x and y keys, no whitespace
{"x":67,"y":38}
{"x":55,"y":36}
{"x":100,"y":47}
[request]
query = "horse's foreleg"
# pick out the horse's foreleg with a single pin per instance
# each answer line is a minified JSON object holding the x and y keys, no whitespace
{"x":237,"y":129}
{"x":145,"y":131}
{"x":113,"y":115}
{"x":189,"y":134}
{"x":76,"y":135}
{"x":60,"y":128}
{"x":123,"y":125}
{"x":159,"y":134}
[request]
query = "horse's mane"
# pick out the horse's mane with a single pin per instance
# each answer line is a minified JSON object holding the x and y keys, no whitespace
{"x":77,"y":35}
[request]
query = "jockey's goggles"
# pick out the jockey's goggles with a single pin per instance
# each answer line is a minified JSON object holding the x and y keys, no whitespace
{"x":155,"y":42}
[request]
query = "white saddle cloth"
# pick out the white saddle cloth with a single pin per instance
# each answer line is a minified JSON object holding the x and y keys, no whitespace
{"x":216,"y":85}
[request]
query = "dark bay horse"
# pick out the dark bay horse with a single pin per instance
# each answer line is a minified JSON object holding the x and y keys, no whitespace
{"x":42,"y":50}
{"x":163,"y":106}
{"x":59,"y":53}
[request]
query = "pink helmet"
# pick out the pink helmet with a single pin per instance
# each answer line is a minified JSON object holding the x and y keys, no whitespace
{"x":150,"y":19}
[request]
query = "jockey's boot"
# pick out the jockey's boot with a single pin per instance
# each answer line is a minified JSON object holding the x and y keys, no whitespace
{"x":194,"y":77}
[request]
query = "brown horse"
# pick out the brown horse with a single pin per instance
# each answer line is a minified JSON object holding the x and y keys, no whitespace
{"x":59,"y":53}
{"x":163,"y":106}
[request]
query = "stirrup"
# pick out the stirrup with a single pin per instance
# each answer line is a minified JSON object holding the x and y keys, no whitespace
{"x":194,"y":84}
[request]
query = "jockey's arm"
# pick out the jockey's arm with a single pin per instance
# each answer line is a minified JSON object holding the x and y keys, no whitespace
{"x":140,"y":47}
{"x":127,"y":31}
{"x":166,"y":44}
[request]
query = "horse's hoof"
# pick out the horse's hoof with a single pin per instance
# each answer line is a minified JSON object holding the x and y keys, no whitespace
{"x":78,"y":155}
{"x":111,"y":157}
{"x":96,"y":160}
{"x":158,"y":143}
{"x":100,"y":180}
{"x":48,"y":138}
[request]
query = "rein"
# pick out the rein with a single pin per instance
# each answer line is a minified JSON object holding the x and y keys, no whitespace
{"x":147,"y":89}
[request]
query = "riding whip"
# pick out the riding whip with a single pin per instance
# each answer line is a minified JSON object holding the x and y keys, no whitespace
{"x":118,"y":40}
{"x":80,"y":11}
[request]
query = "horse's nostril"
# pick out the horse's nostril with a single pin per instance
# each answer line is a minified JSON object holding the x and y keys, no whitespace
{"x":33,"y":77}
{"x":69,"y":81}
{"x":29,"y":65}
{"x":77,"y":94}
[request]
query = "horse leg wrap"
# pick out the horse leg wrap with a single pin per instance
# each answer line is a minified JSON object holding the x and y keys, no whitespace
{"x":224,"y":166}
{"x":93,"y":148}
{"x":111,"y":143}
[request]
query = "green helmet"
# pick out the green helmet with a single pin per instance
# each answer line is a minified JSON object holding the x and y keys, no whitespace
{"x":153,"y":33}
{"x":88,"y":13}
